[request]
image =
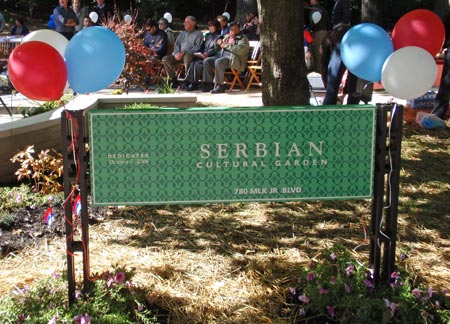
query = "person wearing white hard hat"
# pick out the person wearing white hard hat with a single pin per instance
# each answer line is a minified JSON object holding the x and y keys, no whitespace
{"x":320,"y":25}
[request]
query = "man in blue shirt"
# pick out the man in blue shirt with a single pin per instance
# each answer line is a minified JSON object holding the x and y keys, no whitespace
{"x":155,"y":40}
{"x":65,"y":19}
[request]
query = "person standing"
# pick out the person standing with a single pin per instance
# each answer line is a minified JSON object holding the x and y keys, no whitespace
{"x":2,"y":22}
{"x":340,"y":19}
{"x":188,"y":42}
{"x":341,"y":13}
{"x":65,"y":19}
{"x":320,"y":25}
{"x":81,"y":12}
{"x":441,"y":101}
{"x":103,"y":11}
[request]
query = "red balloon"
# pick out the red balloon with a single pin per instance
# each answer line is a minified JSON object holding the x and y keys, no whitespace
{"x":421,"y":28}
{"x":37,"y":71}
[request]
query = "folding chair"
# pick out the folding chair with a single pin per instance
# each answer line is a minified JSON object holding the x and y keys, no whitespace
{"x":234,"y":77}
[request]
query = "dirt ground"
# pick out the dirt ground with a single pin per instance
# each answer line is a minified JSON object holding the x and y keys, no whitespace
{"x":29,"y":228}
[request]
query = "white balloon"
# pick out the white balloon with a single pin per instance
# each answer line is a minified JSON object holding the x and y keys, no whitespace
{"x":409,"y":72}
{"x":50,"y":37}
{"x":128,"y":19}
{"x":94,"y":17}
{"x":168,"y":16}
{"x":227,"y":14}
{"x":316,"y":16}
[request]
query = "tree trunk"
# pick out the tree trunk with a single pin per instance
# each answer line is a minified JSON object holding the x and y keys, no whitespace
{"x":371,"y":11}
{"x":243,"y":7}
{"x":284,"y":79}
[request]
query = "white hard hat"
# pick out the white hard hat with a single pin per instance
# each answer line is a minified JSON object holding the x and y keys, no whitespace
{"x":168,"y":16}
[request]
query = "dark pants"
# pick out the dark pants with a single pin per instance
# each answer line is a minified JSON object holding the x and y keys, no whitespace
{"x":443,"y":95}
{"x":67,"y":35}
{"x":336,"y":69}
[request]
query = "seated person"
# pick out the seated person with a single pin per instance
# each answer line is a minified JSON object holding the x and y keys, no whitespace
{"x":225,"y":28}
{"x":156,"y":41}
{"x":19,"y":28}
{"x":251,"y":27}
{"x":188,"y":42}
{"x":195,"y":70}
{"x":233,"y":53}
{"x":164,"y":26}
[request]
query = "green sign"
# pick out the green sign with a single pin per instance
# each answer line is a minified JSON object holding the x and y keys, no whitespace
{"x":207,"y":155}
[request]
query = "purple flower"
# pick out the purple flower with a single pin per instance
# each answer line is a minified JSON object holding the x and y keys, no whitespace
{"x":82,"y":319}
{"x":311,"y":276}
{"x":395,"y":277}
{"x":333,"y":280}
{"x":403,"y":256}
{"x":19,"y":198}
{"x":368,"y":283}
{"x":349,"y":270}
{"x":54,"y":320}
{"x":292,"y":291}
{"x":110,"y":282}
{"x":445,"y":291}
{"x":330,"y":310}
{"x":430,"y":292}
{"x":55,"y":275}
{"x":347,"y":288}
{"x":305,"y":299}
{"x":390,"y":305}
{"x":333,"y":256}
{"x":21,"y":318}
{"x":302,"y":312}
{"x":120,"y":277}
{"x":323,"y":291}
{"x":416,"y":292}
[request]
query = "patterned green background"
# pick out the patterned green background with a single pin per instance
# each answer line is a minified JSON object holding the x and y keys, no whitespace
{"x":151,"y":157}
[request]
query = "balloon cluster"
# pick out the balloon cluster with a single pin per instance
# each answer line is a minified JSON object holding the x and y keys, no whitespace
{"x":404,"y":63}
{"x":42,"y":65}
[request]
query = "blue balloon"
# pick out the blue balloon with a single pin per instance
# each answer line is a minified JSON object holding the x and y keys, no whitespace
{"x":94,"y":57}
{"x":364,"y":49}
{"x":51,"y":24}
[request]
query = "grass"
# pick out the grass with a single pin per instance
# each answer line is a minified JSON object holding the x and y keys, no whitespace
{"x":235,"y":263}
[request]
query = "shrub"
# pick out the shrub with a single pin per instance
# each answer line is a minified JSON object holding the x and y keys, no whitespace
{"x":338,"y":288}
{"x":43,"y":172}
{"x":46,"y":106}
{"x":137,"y":55}
{"x":113,"y":299}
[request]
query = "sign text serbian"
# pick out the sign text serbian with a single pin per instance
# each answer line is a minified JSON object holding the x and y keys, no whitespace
{"x":206,"y":155}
